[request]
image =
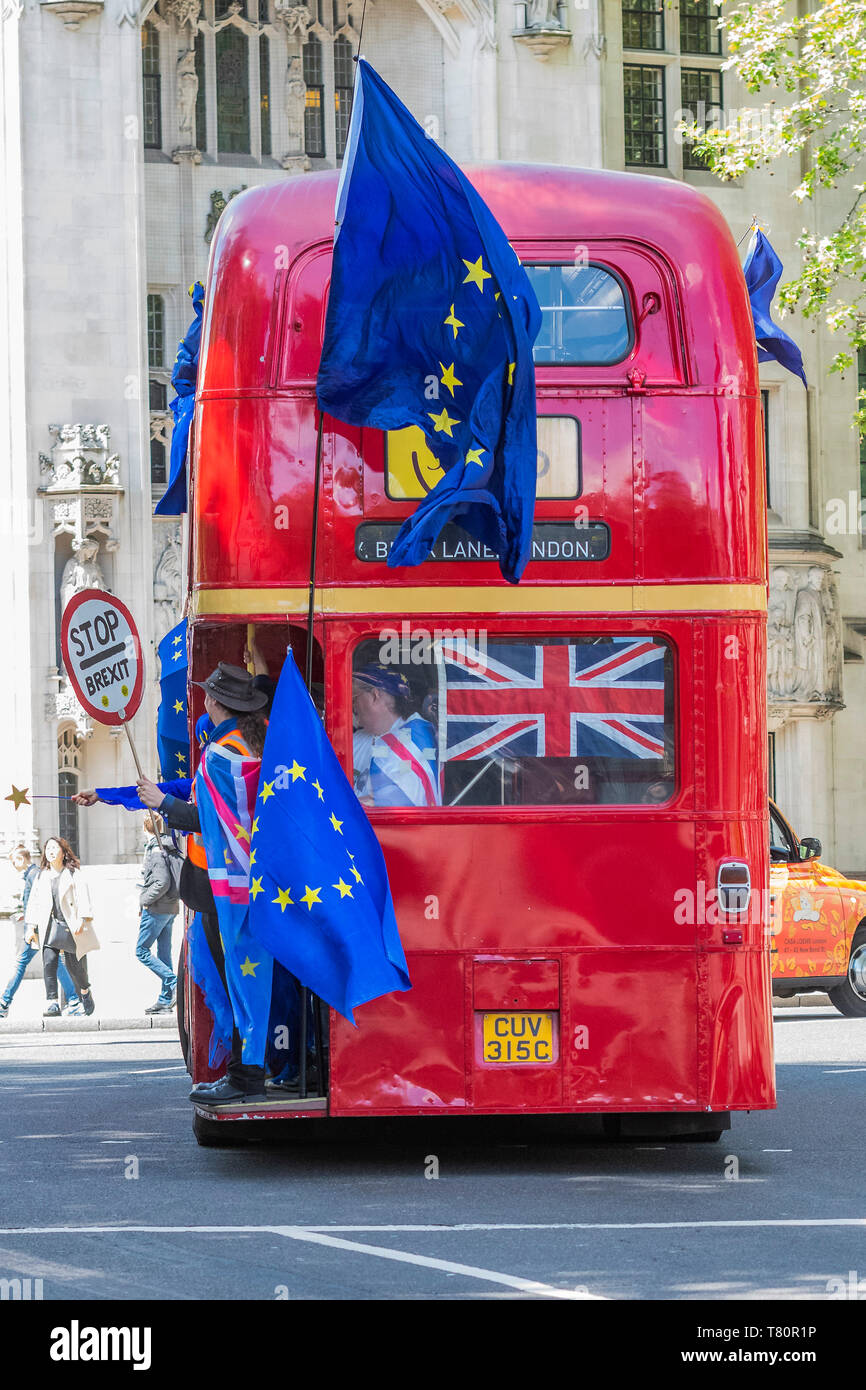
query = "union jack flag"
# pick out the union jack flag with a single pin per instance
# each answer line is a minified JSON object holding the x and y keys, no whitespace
{"x":599,"y":699}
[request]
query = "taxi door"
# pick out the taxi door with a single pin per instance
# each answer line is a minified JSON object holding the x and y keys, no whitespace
{"x":808,"y":918}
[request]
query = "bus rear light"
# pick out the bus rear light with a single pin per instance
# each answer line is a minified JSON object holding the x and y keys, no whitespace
{"x":735,"y":887}
{"x":732,"y":936}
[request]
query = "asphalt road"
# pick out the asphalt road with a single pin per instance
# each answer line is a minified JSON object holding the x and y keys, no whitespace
{"x":95,"y":1136}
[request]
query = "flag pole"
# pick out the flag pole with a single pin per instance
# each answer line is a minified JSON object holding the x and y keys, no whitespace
{"x":308,"y":677}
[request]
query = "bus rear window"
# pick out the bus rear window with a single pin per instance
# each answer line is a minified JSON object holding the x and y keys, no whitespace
{"x":585,"y":316}
{"x":456,"y":718}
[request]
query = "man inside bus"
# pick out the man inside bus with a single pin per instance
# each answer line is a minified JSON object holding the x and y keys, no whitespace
{"x":394,"y":750}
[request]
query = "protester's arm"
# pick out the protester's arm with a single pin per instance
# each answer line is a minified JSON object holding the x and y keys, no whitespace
{"x":180,"y":815}
{"x":127,"y":797}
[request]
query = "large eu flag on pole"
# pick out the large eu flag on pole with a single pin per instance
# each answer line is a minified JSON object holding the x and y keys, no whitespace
{"x":172,"y":730}
{"x":763,"y":270}
{"x":183,"y":379}
{"x":431,"y":320}
{"x":320,"y":902}
{"x":171,"y":723}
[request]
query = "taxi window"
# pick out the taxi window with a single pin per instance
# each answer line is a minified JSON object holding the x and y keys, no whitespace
{"x":781,"y":848}
{"x":458,"y":718}
{"x":412,"y":469}
{"x":585,"y":316}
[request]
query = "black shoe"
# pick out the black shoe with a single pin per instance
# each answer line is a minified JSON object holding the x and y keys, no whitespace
{"x":87,"y":1003}
{"x":293,"y":1082}
{"x":4,"y":1009}
{"x":53,"y":1010}
{"x":224,"y":1092}
{"x":158,"y":1008}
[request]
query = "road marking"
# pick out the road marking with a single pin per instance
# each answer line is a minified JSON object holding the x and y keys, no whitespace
{"x":447,"y":1266}
{"x":315,"y":1236}
{"x":757,"y":1223}
{"x":844,"y":1071}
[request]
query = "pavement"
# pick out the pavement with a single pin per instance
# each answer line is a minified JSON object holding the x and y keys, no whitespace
{"x":433,"y":1208}
{"x":122,"y":987}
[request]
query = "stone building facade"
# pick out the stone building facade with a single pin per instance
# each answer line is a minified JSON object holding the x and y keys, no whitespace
{"x":129,"y":126}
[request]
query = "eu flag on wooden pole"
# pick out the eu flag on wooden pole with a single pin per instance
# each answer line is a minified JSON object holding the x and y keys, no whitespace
{"x":319,"y":896}
{"x":172,"y":732}
{"x":762,"y":271}
{"x":431,"y":320}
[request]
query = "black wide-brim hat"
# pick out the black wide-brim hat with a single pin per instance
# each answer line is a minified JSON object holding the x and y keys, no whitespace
{"x":233,"y":687}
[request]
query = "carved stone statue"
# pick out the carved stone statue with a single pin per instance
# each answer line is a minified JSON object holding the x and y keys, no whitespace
{"x":832,"y":642}
{"x":82,"y":571}
{"x":296,"y":96}
{"x":167,"y":587}
{"x":542,"y":14}
{"x":187,"y":93}
{"x":808,"y":645}
{"x":780,"y":635}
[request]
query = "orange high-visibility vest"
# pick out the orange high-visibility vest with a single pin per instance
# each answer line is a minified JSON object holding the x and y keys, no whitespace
{"x":195,"y":851}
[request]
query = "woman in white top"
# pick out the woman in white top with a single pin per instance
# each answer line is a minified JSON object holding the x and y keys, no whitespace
{"x":59,"y":915}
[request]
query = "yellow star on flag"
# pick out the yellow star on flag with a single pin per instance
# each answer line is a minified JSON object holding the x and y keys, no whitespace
{"x":344,"y":889}
{"x":296,"y":771}
{"x":241,"y":832}
{"x":474,"y":456}
{"x":267,"y":790}
{"x":181,"y":758}
{"x":511,"y":367}
{"x":227,"y":857}
{"x":255,"y":826}
{"x":176,"y":639}
{"x":454,"y":322}
{"x":256,"y":888}
{"x":311,"y":896}
{"x":178,"y":706}
{"x":335,"y":823}
{"x":443,"y":422}
{"x":357,"y":875}
{"x":176,"y":656}
{"x":252,"y":857}
{"x":448,"y":378}
{"x":249,"y":967}
{"x":283,"y":898}
{"x":320,"y":793}
{"x":477,"y":274}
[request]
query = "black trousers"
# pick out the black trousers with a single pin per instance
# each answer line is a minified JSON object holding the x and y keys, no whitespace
{"x":244,"y":1076}
{"x":77,"y":971}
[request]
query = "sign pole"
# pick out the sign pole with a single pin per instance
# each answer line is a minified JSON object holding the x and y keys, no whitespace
{"x":132,"y":749}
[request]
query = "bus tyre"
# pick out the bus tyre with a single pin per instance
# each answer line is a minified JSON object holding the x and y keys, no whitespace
{"x":850,"y":998}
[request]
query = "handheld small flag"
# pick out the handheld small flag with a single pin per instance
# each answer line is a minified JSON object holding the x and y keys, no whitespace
{"x":763,"y":270}
{"x":431,"y":320}
{"x":183,"y":379}
{"x":319,"y":895}
{"x":172,"y":730}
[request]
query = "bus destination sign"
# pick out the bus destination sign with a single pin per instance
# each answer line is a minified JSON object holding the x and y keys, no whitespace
{"x":558,"y":540}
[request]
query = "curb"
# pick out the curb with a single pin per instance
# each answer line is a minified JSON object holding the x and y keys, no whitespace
{"x":89,"y":1025}
{"x":804,"y":1001}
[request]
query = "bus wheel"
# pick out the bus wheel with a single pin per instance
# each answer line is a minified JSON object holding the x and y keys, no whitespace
{"x":850,"y":998}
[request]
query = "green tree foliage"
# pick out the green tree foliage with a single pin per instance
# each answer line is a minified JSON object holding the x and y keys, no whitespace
{"x":810,"y":64}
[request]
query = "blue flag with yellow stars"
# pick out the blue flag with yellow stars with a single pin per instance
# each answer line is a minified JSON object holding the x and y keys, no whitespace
{"x":320,"y":902}
{"x":763,"y":270}
{"x":183,"y":379}
{"x":172,"y":730}
{"x":431,"y":320}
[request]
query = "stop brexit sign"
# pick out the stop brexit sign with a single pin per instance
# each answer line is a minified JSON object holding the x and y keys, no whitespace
{"x":102,"y":656}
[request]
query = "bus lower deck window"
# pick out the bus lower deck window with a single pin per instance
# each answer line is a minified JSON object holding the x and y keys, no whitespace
{"x":464,"y":718}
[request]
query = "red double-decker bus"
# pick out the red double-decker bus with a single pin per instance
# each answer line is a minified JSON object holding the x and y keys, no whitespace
{"x":596,"y":735}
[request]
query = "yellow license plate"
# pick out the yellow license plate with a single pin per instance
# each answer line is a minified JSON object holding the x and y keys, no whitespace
{"x":518,"y":1037}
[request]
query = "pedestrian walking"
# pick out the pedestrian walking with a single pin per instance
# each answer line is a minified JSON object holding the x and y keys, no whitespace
{"x":23,"y":864}
{"x":159,"y":904}
{"x":59,"y":914}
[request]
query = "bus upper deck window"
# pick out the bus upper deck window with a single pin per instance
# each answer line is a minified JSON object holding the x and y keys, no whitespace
{"x":585,"y":315}
{"x":462,"y":718}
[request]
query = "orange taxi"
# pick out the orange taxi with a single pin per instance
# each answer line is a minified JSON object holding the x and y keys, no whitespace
{"x":818,"y":939}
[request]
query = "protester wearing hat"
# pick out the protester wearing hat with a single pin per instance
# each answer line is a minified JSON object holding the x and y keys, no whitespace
{"x":394,"y":750}
{"x":236,"y":708}
{"x":128,"y":796}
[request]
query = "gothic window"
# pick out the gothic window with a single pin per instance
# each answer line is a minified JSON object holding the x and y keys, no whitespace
{"x":158,"y":475}
{"x":314,"y":113}
{"x":265,"y":92}
{"x":643,"y":24}
{"x":699,"y":27}
{"x":200,"y":100}
{"x":151,"y":95}
{"x":645,"y":141}
{"x":343,"y":79}
{"x":702,"y":101}
{"x":67,"y":785}
{"x":155,"y":331}
{"x":233,"y":92}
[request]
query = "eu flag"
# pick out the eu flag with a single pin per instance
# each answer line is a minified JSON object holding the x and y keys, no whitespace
{"x":319,"y":896}
{"x":183,"y":379}
{"x":763,"y":270}
{"x":172,"y":733}
{"x":431,"y":320}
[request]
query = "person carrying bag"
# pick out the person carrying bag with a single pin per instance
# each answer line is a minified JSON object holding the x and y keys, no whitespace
{"x":59,"y":914}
